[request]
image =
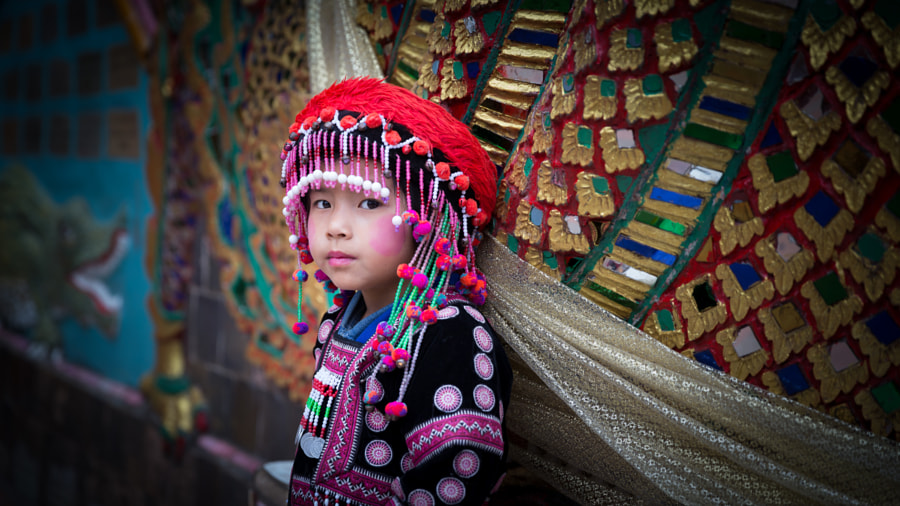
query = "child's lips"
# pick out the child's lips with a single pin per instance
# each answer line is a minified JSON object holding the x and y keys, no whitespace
{"x":337,"y":258}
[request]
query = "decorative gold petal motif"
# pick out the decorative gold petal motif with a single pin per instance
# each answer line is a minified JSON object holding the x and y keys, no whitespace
{"x":742,"y":301}
{"x":855,"y":189}
{"x":740,"y":367}
{"x":427,"y":78}
{"x":564,"y":97}
{"x":515,"y":172}
{"x":577,"y":144}
{"x":771,"y":193}
{"x":616,"y":158}
{"x":820,"y":43}
{"x":525,"y":229}
{"x":543,"y":133}
{"x":808,"y":132}
{"x":888,"y":141}
{"x":786,"y":273}
{"x":882,"y":422}
{"x":383,"y":26}
{"x":785,"y":329}
{"x":874,"y":276}
{"x":566,"y":234}
{"x":482,"y":3}
{"x":857,"y":100}
{"x":734,"y":233}
{"x":826,"y":238}
{"x":596,"y":105}
{"x":881,"y":356}
{"x":606,"y":10}
{"x":468,"y":42}
{"x":577,"y":10}
{"x":365,"y":15}
{"x":552,"y":184}
{"x":831,"y":381}
{"x":671,"y":338}
{"x":622,"y":57}
{"x":809,"y":397}
{"x":889,"y":222}
{"x":535,"y":257}
{"x":453,"y":5}
{"x":439,"y":36}
{"x":888,"y":39}
{"x":672,"y":54}
{"x":501,"y":211}
{"x":591,"y":202}
{"x":585,"y":49}
{"x":830,"y":317}
{"x":644,"y":107}
{"x":652,"y":7}
{"x":699,"y":322}
{"x":452,"y":85}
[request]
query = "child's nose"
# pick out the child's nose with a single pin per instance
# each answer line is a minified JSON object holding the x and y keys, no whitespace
{"x":340,"y":223}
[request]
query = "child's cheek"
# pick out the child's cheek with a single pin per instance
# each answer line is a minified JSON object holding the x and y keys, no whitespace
{"x":385,"y":239}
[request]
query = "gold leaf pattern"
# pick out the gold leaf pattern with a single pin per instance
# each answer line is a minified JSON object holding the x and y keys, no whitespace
{"x":622,"y":57}
{"x":670,"y":338}
{"x":742,"y":301}
{"x":644,"y":107}
{"x":585,"y":49}
{"x":543,"y":134}
{"x":735,"y":233}
{"x":561,"y":240}
{"x":552,"y":184}
{"x":820,"y":43}
{"x":786,"y":273}
{"x":436,"y":43}
{"x":467,"y":43}
{"x":830,"y":318}
{"x":888,"y":39}
{"x":740,"y":367}
{"x":365,"y":17}
{"x":616,"y":158}
{"x":483,"y":3}
{"x":873,"y":276}
{"x":784,"y":343}
{"x":427,"y":78}
{"x":808,"y":132}
{"x":596,"y":106}
{"x":572,"y":150}
{"x":855,"y":189}
{"x":888,"y":141}
{"x":871,"y":411}
{"x":563,"y":103}
{"x":515,"y":172}
{"x":501,"y":211}
{"x":809,"y":397}
{"x":606,"y":10}
{"x":828,"y":237}
{"x":771,"y":193}
{"x":526,"y":230}
{"x":832,"y":382}
{"x":672,"y":54}
{"x":699,"y":323}
{"x":450,"y":86}
{"x":535,"y":257}
{"x":454,"y":5}
{"x":652,"y":7}
{"x":591,"y":203}
{"x":577,"y":10}
{"x":890,"y":223}
{"x":857,"y":100}
{"x":383,"y":26}
{"x":881,"y":356}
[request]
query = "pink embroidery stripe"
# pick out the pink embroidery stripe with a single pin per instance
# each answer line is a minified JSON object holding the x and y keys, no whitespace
{"x":462,"y":428}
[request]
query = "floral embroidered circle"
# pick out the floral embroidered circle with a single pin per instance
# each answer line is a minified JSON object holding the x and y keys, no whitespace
{"x":406,"y":463}
{"x":483,"y":339}
{"x":448,"y":398}
{"x":451,"y":490}
{"x":375,"y":421}
{"x":483,"y":366}
{"x":420,"y":497}
{"x":466,"y":463}
{"x":378,"y":453}
{"x":474,"y":313}
{"x":484,"y":397}
{"x":447,"y":312}
{"x":372,"y":384}
{"x":324,"y":330}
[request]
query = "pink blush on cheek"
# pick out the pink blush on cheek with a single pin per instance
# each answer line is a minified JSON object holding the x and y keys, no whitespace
{"x":386,"y":240}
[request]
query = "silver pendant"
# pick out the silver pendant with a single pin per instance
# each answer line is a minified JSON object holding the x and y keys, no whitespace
{"x":312,"y":446}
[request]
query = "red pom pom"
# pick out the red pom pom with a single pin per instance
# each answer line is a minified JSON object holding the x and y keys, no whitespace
{"x":373,"y":121}
{"x":459,"y":261}
{"x":306,"y":256}
{"x":404,"y":271}
{"x":413,"y":311}
{"x":392,"y":137}
{"x":468,"y":280}
{"x":443,"y":170}
{"x":481,"y":218}
{"x":461,"y":182}
{"x":421,"y":147}
{"x":406,"y":149}
{"x":295,"y":127}
{"x":399,"y":354}
{"x":300,"y":328}
{"x":308,"y":122}
{"x":327,"y":114}
{"x":339,"y":300}
{"x":471,"y":207}
{"x":348,"y":122}
{"x":443,"y":263}
{"x":385,"y":348}
{"x":396,"y":409}
{"x":442,"y":246}
{"x":429,"y":316}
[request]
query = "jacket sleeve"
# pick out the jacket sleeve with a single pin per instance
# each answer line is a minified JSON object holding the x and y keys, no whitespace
{"x":454,"y":431}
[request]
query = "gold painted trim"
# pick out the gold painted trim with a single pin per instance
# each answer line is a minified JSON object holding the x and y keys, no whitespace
{"x":590,"y":203}
{"x":652,"y":7}
{"x":672,"y":54}
{"x":451,"y":87}
{"x":644,"y":107}
{"x":826,"y":238}
{"x":857,"y":100}
{"x":542,"y":138}
{"x":808,"y":132}
{"x":742,"y":301}
{"x":821,"y":44}
{"x":831,"y":382}
{"x":572,"y":151}
{"x":785,"y":273}
{"x":699,"y":323}
{"x":607,"y":11}
{"x":888,"y":39}
{"x":783,"y":343}
{"x":467,"y":43}
{"x":701,"y":153}
{"x":855,"y":190}
{"x":765,"y":15}
{"x":874,"y":277}
{"x":881,"y":422}
{"x":830,"y":318}
{"x":548,"y":191}
{"x":890,"y":223}
{"x":740,"y":367}
{"x":672,"y":338}
{"x":596,"y":106}
{"x":734,"y":234}
{"x":881,"y":357}
{"x":770,"y":193}
{"x":562,"y":103}
{"x":621,"y":57}
{"x":526,"y":230}
{"x":618,"y":159}
{"x":561,"y":240}
{"x":888,"y":141}
{"x":809,"y":397}
{"x":535,"y":257}
{"x":585,"y":49}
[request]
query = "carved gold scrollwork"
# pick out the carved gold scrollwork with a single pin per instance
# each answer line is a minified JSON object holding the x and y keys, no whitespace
{"x":672,"y":54}
{"x":591,"y":203}
{"x":827,"y":237}
{"x":525,"y":229}
{"x":888,"y":39}
{"x":699,"y":322}
{"x":832,"y":382}
{"x":873,"y":276}
{"x":785,"y":273}
{"x":616,"y":158}
{"x":606,"y":10}
{"x":652,"y":7}
{"x":596,"y":106}
{"x":809,"y":397}
{"x":831,"y":317}
{"x":888,"y":141}
{"x":585,"y":49}
{"x":563,"y":102}
{"x":809,"y":133}
{"x":820,"y":43}
{"x":857,"y":100}
{"x":574,"y":149}
{"x":742,"y":301}
{"x":771,"y":193}
{"x":542,"y":138}
{"x":438,"y":43}
{"x":562,"y":239}
{"x":855,"y":189}
{"x":881,"y":356}
{"x":467,"y":42}
{"x":871,"y":411}
{"x":740,"y":367}
{"x":734,"y":233}
{"x":622,"y":57}
{"x":552,"y":184}
{"x":643,"y":107}
{"x":427,"y":79}
{"x":671,"y":338}
{"x":784,"y":342}
{"x":451,"y":86}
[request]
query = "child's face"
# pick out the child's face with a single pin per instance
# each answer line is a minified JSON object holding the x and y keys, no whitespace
{"x":353,"y":241}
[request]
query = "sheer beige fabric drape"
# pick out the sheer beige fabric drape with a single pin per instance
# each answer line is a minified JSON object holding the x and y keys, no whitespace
{"x":337,"y":48}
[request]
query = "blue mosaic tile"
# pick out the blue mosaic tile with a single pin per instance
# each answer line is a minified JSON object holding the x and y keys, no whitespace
{"x":746,"y":275}
{"x":884,"y":328}
{"x":645,"y":251}
{"x":725,"y":108}
{"x":678,"y":199}
{"x":427,"y":15}
{"x":822,"y":208}
{"x":772,"y":138}
{"x":472,"y":69}
{"x":534,"y":37}
{"x":792,"y":379}
{"x":706,"y":357}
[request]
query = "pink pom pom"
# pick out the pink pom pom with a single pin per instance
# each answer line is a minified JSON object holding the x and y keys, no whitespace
{"x":387,"y":364}
{"x":385,"y":348}
{"x":372,"y":397}
{"x":422,"y":229}
{"x":430,"y":293}
{"x":396,"y":409}
{"x":321,"y":277}
{"x":399,"y":354}
{"x":429,"y":316}
{"x":410,"y":217}
{"x":419,"y":281}
{"x":385,"y":329}
{"x":300,"y":328}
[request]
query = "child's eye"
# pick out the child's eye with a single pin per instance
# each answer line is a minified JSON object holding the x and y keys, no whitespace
{"x":321,"y":204}
{"x":370,"y":204}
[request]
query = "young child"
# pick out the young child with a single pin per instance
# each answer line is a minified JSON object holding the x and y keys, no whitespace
{"x":385,"y":192}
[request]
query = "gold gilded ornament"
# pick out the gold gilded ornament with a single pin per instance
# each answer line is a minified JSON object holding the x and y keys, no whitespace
{"x":742,"y":301}
{"x":771,"y":193}
{"x":808,"y":132}
{"x":888,"y":39}
{"x":672,"y":338}
{"x":383,"y":26}
{"x":577,"y":144}
{"x":525,"y":228}
{"x":575,"y":13}
{"x":857,"y":100}
{"x":468,"y":37}
{"x":740,"y":367}
{"x":809,"y":397}
{"x":831,"y":381}
{"x":625,"y":54}
{"x":616,"y":158}
{"x":585,"y":49}
{"x":786,"y":329}
{"x":365,"y":15}
{"x":452,"y":85}
{"x":564,"y":97}
{"x":854,"y":189}
{"x":788,"y":271}
{"x":535,"y":257}
{"x":873,"y":273}
{"x":439,"y":36}
{"x":599,"y":98}
{"x":515,"y":172}
{"x":888,"y":141}
{"x":593,"y":201}
{"x":673,"y":54}
{"x":733,"y":232}
{"x":822,"y":43}
{"x":652,"y":7}
{"x":882,"y":423}
{"x":566,"y":234}
{"x":827,"y":237}
{"x":427,"y":79}
{"x":889,"y":222}
{"x":501,"y":211}
{"x":552,"y":184}
{"x":838,"y":310}
{"x":483,"y":3}
{"x":700,"y":320}
{"x":543,"y":133}
{"x":454,"y":5}
{"x":606,"y":10}
{"x":641,"y":106}
{"x":881,"y":356}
